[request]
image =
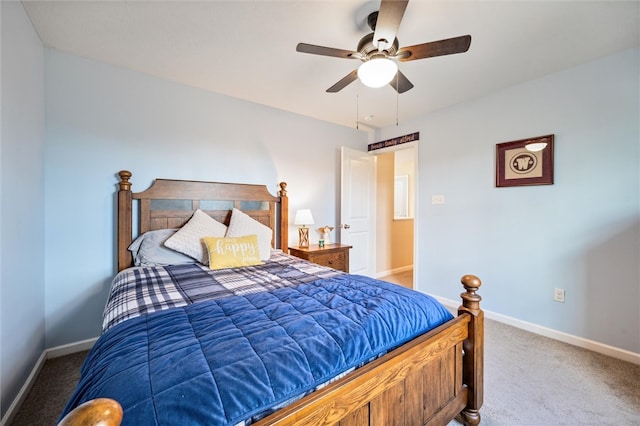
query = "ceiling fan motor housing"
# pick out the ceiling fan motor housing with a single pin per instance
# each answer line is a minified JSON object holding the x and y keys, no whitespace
{"x":366,"y":47}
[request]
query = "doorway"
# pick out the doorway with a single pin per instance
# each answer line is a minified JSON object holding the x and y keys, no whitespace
{"x":395,"y":215}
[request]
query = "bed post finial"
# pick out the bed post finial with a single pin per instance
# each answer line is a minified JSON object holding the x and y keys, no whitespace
{"x":473,"y":349}
{"x":283,"y":189}
{"x":470,"y":299}
{"x":99,"y":411}
{"x":125,"y":175}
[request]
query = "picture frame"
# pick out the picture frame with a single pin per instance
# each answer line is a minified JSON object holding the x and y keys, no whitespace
{"x":518,"y":163}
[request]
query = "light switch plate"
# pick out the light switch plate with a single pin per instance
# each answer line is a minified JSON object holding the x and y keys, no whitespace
{"x":437,"y":199}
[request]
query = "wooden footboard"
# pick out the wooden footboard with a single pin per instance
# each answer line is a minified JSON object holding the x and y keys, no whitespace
{"x":428,"y":381}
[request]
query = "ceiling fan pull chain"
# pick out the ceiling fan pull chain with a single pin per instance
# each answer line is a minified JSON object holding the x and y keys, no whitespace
{"x":397,"y":97}
{"x":357,"y":108}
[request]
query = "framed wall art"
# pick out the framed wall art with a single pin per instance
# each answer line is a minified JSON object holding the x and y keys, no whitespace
{"x":525,"y":162}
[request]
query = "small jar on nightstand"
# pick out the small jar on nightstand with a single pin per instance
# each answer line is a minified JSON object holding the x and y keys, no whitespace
{"x":334,"y":256}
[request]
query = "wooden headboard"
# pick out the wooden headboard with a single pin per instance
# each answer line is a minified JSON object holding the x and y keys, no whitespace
{"x":170,"y":203}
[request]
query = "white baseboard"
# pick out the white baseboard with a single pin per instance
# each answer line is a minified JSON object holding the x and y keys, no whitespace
{"x":54,"y":352}
{"x":393,"y":271}
{"x":71,"y":348}
{"x":24,"y":390}
{"x":581,"y":342}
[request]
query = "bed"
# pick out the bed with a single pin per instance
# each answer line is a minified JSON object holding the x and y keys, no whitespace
{"x":390,"y":356}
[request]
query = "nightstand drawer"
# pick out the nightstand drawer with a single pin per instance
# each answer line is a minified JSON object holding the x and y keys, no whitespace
{"x":334,"y":256}
{"x":332,"y":260}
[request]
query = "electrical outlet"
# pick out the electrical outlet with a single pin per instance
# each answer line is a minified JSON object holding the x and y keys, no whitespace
{"x":558,"y":295}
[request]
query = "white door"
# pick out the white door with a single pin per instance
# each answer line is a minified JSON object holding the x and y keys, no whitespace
{"x":357,"y":215}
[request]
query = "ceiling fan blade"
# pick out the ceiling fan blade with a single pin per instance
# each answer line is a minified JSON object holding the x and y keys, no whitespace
{"x":401,"y":83}
{"x":346,"y":80}
{"x":327,"y":51}
{"x":388,"y":22}
{"x":434,"y":48}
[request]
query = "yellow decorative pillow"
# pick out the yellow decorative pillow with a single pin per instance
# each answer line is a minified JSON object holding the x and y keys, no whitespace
{"x":233,"y":252}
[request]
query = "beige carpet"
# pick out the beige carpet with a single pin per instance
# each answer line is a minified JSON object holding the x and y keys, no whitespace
{"x":534,"y":380}
{"x":529,"y":380}
{"x":53,"y":387}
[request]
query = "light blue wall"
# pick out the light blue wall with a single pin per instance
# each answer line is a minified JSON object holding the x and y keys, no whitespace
{"x":581,"y":234}
{"x":102,"y":119}
{"x":22,"y":322}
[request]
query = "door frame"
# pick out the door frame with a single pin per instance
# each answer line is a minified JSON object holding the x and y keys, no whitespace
{"x":415,"y":192}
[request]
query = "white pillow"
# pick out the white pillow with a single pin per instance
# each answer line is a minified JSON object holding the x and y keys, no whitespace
{"x":241,"y":224}
{"x":189,"y":238}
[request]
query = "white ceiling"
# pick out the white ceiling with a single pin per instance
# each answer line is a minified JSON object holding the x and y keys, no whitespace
{"x":246,"y":49}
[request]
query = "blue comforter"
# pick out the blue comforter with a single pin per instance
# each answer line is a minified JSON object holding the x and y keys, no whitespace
{"x":219,"y":362}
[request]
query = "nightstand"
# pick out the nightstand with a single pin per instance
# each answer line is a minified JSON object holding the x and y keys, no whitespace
{"x":334,"y":256}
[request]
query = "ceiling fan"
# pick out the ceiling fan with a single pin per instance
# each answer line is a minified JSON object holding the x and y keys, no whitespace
{"x":378,"y":49}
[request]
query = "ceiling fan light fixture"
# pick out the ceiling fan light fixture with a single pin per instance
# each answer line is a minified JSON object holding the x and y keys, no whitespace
{"x":377,"y":72}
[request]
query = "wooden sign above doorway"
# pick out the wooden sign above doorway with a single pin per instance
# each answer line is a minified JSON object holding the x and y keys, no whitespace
{"x":394,"y":141}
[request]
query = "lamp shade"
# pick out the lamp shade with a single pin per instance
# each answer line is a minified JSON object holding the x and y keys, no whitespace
{"x":303,"y":217}
{"x":377,"y":72}
{"x":536,"y":146}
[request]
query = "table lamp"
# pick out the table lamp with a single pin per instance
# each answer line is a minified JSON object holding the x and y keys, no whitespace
{"x":303,"y":218}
